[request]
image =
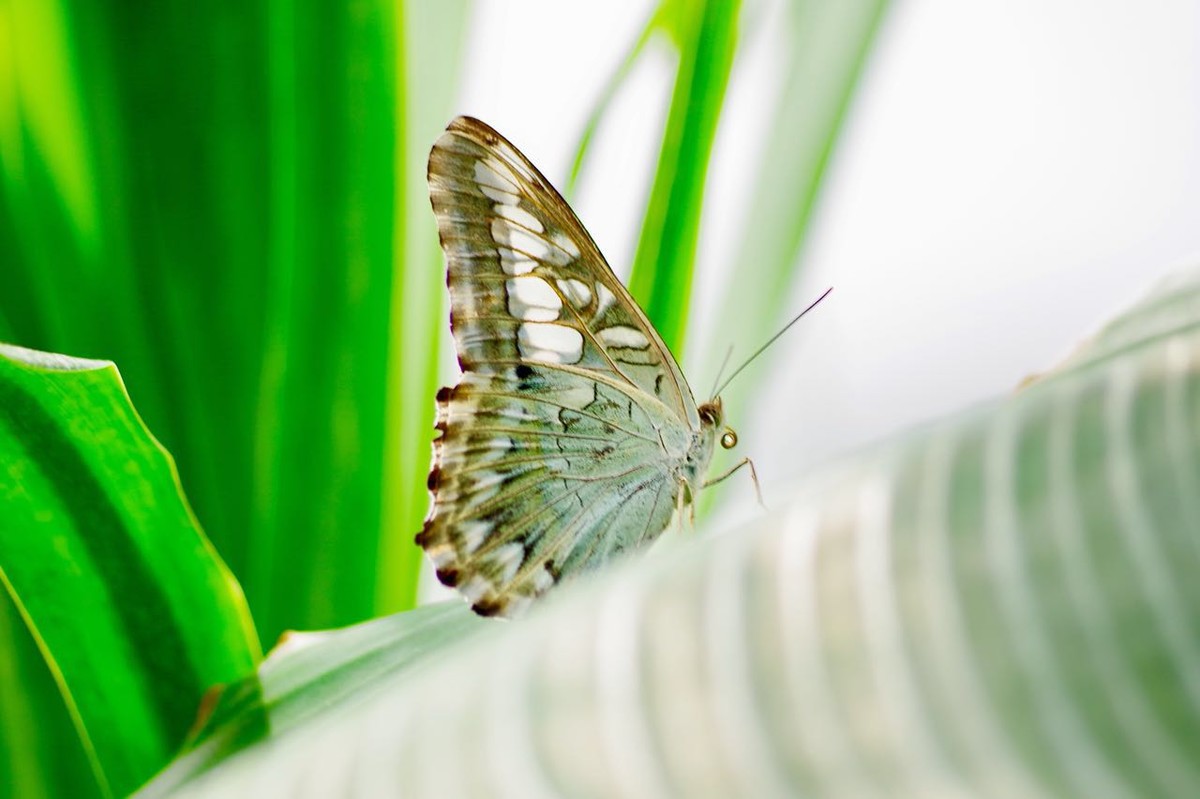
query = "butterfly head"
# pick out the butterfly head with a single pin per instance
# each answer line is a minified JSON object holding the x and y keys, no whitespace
{"x":712,"y":416}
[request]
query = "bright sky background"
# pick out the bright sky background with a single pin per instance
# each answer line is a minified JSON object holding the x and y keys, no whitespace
{"x":1011,"y":174}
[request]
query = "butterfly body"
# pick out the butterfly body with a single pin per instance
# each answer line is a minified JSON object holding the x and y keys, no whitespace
{"x":572,"y":435}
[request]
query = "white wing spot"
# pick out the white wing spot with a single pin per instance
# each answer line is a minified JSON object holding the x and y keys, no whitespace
{"x":565,"y":243}
{"x":513,"y":163}
{"x":623,"y":336}
{"x":532,"y":299}
{"x":473,"y":535}
{"x":479,"y":493}
{"x":517,"y":605}
{"x":441,"y":556}
{"x":517,"y":214}
{"x":515,"y":263}
{"x":539,"y":341}
{"x":607,"y":298}
{"x":576,"y":292}
{"x":542,"y":580}
{"x":516,"y":412}
{"x":577,"y":397}
{"x":508,"y":558}
{"x":494,"y":174}
{"x":498,"y":195}
{"x":491,"y":450}
{"x":475,"y":588}
{"x":520,"y":240}
{"x":485,"y":478}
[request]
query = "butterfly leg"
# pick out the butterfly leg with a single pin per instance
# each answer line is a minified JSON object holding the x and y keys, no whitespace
{"x":684,"y":500}
{"x":736,"y":466}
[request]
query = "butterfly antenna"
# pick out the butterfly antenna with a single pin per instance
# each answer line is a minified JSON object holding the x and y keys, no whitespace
{"x":770,"y":341}
{"x":721,"y":371}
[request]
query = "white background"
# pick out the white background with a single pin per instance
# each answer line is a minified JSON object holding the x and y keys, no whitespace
{"x":1010,"y":175}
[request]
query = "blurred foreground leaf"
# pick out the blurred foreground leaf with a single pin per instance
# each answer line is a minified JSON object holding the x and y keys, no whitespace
{"x":126,"y":599}
{"x":309,"y":674}
{"x":1002,"y":604}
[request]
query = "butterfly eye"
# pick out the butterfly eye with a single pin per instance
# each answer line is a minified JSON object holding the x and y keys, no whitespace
{"x":729,"y":439}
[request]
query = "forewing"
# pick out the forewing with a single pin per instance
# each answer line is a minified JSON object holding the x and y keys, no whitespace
{"x":526,"y":280}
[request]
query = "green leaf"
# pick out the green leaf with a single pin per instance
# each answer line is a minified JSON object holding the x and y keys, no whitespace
{"x":40,"y":751}
{"x":312,"y":674}
{"x":254,"y":166}
{"x":827,"y":48}
{"x":607,"y":95}
{"x":1000,"y":604}
{"x":319,"y":438}
{"x":661,"y":279}
{"x":434,"y":38}
{"x":262,"y":264}
{"x":127,"y":601}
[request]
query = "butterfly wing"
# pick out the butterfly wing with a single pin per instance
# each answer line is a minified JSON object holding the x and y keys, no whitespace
{"x":559,"y":445}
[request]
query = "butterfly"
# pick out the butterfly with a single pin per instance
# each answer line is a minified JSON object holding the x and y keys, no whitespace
{"x":572,"y":435}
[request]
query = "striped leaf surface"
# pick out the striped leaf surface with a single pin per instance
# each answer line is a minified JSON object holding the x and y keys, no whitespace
{"x":1002,"y":604}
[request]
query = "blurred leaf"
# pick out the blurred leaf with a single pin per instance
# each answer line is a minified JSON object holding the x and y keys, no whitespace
{"x":661,"y":279}
{"x":320,"y":427}
{"x":170,"y":281}
{"x":311,"y":674}
{"x":1001,"y":604}
{"x":434,"y":35}
{"x":827,"y":49}
{"x":40,"y":751}
{"x":261,"y":262}
{"x":39,"y":149}
{"x":129,"y":604}
{"x":212,"y":197}
{"x":607,"y":95}
{"x":1172,"y":307}
{"x":40,"y":71}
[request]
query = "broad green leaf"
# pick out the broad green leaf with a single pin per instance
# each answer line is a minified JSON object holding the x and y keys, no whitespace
{"x":1000,"y":604}
{"x":126,"y":599}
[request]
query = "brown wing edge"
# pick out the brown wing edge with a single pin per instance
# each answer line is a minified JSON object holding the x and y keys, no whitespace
{"x":435,"y":538}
